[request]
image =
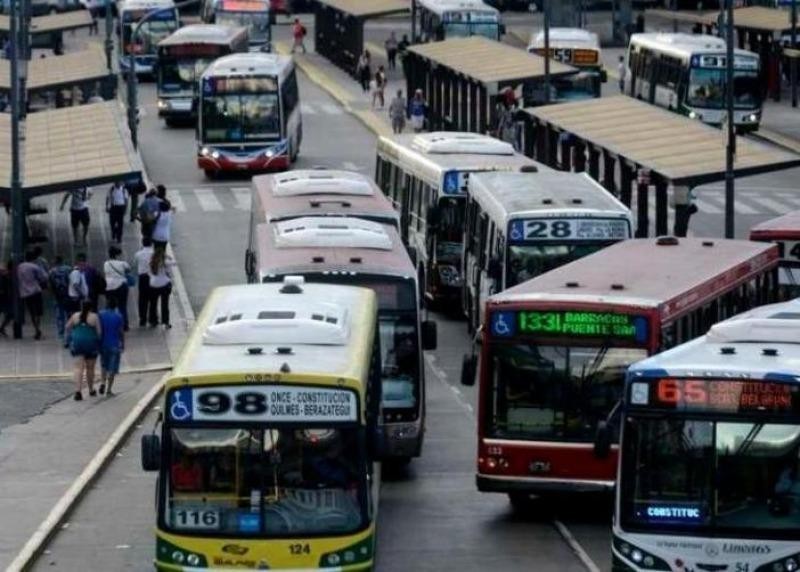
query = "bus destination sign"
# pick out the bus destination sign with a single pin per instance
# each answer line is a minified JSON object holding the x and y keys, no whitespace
{"x":559,"y":229}
{"x":605,"y":325}
{"x":717,"y":395}
{"x":262,"y":403}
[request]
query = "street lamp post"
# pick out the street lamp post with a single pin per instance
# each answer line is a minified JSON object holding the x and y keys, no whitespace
{"x":17,"y":201}
{"x":546,"y":6}
{"x":730,"y":151}
{"x":109,"y":43}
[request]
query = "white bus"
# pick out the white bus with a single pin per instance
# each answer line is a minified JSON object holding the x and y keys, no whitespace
{"x":521,"y":225}
{"x":709,"y":471}
{"x":686,"y":73}
{"x":254,"y":15}
{"x":144,"y":47}
{"x":443,"y":19}
{"x":579,"y":49}
{"x":425,"y":176}
{"x":249,"y":114}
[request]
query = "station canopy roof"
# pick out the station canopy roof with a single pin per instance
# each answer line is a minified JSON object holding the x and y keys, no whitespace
{"x":69,"y":148}
{"x":487,"y":61}
{"x":59,"y":71}
{"x":751,"y":17}
{"x":369,"y":8}
{"x":682,"y":150}
{"x":53,"y":22}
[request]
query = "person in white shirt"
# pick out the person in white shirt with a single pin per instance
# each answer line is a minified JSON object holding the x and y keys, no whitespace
{"x":160,"y":282}
{"x":163,"y":226}
{"x":78,"y":211}
{"x":621,"y":73}
{"x":116,"y":273}
{"x":117,"y":206}
{"x":141,"y":261}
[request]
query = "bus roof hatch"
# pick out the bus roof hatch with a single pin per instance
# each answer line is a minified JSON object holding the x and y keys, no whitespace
{"x":311,"y":182}
{"x":328,"y":232}
{"x":453,"y":142}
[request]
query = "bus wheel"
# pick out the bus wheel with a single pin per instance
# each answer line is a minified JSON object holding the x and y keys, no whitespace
{"x":520,"y":501}
{"x":293,"y":152}
{"x":210,"y":174}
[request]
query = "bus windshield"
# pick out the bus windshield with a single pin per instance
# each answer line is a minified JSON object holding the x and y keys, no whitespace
{"x":257,"y":23}
{"x":265,"y":482}
{"x":150,"y":33}
{"x":528,"y":261}
{"x":554,"y":392}
{"x":707,"y":88}
{"x":715,"y":478}
{"x":241,"y":118}
{"x":576,"y":87}
{"x":182,"y":74}
{"x":463,"y":24}
{"x":399,"y":359}
{"x":450,"y":224}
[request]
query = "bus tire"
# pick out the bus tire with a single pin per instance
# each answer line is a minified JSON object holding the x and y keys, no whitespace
{"x":210,"y":174}
{"x":293,"y":152}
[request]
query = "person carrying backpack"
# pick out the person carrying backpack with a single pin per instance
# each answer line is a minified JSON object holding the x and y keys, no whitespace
{"x":84,"y":332}
{"x":148,"y":213}
{"x":58,"y":277}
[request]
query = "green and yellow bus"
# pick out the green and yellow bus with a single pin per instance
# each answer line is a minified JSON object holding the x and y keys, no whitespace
{"x":271,"y":423}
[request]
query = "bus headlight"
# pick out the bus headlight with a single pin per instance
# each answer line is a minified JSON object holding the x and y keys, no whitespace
{"x":355,"y":554}
{"x":205,"y":152}
{"x":692,"y":115}
{"x":449,"y":276}
{"x":269,"y":153}
{"x":193,"y":560}
{"x":163,"y":104}
{"x":177,"y":556}
{"x":333,"y":559}
{"x":215,"y":154}
{"x":790,"y":564}
{"x":753,"y":117}
{"x":639,"y":556}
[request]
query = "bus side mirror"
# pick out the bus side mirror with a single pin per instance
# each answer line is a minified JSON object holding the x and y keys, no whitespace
{"x":430,"y":336}
{"x":250,"y":265}
{"x":151,"y":452}
{"x":469,"y":367}
{"x":602,"y":440}
{"x":495,"y":269}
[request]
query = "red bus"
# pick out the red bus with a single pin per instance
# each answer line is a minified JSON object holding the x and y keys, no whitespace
{"x":785,"y":232}
{"x":555,"y":350}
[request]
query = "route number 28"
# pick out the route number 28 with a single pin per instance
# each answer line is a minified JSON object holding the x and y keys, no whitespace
{"x":544,"y":229}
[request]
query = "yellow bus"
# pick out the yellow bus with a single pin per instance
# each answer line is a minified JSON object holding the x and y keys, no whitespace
{"x":270,"y":428}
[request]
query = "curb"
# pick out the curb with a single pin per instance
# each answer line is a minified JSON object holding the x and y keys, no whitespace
{"x":37,"y":542}
{"x":155,"y":368}
{"x":777,"y":139}
{"x":322,"y":80}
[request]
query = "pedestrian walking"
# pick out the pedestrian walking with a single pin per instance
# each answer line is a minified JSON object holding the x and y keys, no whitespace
{"x":116,"y":207}
{"x":380,"y":82}
{"x":160,"y":282}
{"x":6,"y":298}
{"x":78,"y":289}
{"x":364,"y":71}
{"x":58,"y":279}
{"x":621,"y":72}
{"x":162,"y":229}
{"x":417,"y":110}
{"x":148,"y":213}
{"x":390,"y":45}
{"x":78,"y":212}
{"x":161,"y":194}
{"x":402,"y":47}
{"x":299,"y":36}
{"x":94,"y":29}
{"x":373,"y":91}
{"x":119,"y":279}
{"x":142,"y":260}
{"x":31,"y":280}
{"x":112,"y":344}
{"x":397,"y":112}
{"x":39,"y":259}
{"x":135,"y":191}
{"x":84,"y":333}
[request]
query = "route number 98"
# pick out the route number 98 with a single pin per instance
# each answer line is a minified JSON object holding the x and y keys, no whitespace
{"x":245,"y":403}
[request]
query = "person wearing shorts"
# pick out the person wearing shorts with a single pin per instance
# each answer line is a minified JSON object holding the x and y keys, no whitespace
{"x":84,"y":333}
{"x":111,"y":345}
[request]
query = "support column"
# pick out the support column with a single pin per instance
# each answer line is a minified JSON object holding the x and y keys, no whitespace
{"x":566,"y":151}
{"x":579,"y":155}
{"x":662,"y":206}
{"x":625,"y":183}
{"x":473,"y":107}
{"x":483,"y":108}
{"x":447,"y":116}
{"x":609,"y":168}
{"x":594,"y":162}
{"x":463,"y":96}
{"x":528,"y":137}
{"x":642,"y":206}
{"x":540,"y":133}
{"x":552,"y":148}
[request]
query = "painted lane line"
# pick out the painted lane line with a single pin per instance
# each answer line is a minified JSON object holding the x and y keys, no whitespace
{"x":350,"y":166}
{"x":440,"y":375}
{"x":792,"y":200}
{"x":738,"y":206}
{"x":707,"y":207}
{"x":770,"y":204}
{"x":242,"y":196}
{"x":576,"y":547}
{"x":331,"y":108}
{"x":174,"y":197}
{"x":208,"y":201}
{"x":307,"y":109}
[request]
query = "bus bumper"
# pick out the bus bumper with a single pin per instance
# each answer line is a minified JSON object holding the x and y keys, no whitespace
{"x":218,"y":161}
{"x":367,"y":567}
{"x":539,"y":485}
{"x":403,"y":440}
{"x":175,"y":108}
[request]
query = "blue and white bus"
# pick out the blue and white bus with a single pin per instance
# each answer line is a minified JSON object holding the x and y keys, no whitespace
{"x":444,"y":19}
{"x":709,"y":472}
{"x":249,"y":114}
{"x":254,"y":15}
{"x":144,"y":47}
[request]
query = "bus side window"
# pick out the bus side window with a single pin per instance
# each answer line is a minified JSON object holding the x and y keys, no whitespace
{"x":483,"y":227}
{"x":468,"y":218}
{"x":394,"y":176}
{"x":290,"y":95}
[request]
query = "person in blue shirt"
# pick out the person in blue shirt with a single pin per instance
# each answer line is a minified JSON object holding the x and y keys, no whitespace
{"x":111,"y":345}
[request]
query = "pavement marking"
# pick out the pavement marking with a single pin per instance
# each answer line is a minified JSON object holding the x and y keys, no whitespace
{"x":738,"y":205}
{"x":331,"y":108}
{"x":794,"y":201}
{"x":350,"y":166}
{"x":707,"y":207}
{"x":307,"y":109}
{"x":778,"y":139}
{"x":439,"y":374}
{"x":769,"y":203}
{"x":176,"y":199}
{"x":242,"y":195}
{"x":208,"y":201}
{"x":576,"y":547}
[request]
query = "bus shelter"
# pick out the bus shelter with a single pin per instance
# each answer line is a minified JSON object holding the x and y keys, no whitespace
{"x":48,"y":31}
{"x":619,"y":140}
{"x":70,"y":148}
{"x":86,"y":70}
{"x":339,"y":27}
{"x":462,"y":78}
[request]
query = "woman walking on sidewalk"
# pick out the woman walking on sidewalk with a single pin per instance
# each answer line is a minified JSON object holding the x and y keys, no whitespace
{"x":160,"y":280}
{"x":364,"y":71}
{"x":84,"y":332}
{"x":119,"y":279}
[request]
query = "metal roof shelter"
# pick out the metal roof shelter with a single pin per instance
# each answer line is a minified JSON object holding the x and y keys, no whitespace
{"x":641,"y":138}
{"x":339,"y":27}
{"x":70,"y":148}
{"x":47,"y":74}
{"x":47,"y":31}
{"x":461,"y":77}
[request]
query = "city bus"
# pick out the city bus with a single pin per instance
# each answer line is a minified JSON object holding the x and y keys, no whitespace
{"x":444,"y":19}
{"x":269,"y":433}
{"x":785,"y":232}
{"x":249,"y":114}
{"x":182,"y":59}
{"x":359,"y":252}
{"x":686,"y":73}
{"x":579,"y":49}
{"x":425,"y":176}
{"x":318,"y":192}
{"x":144,"y":47}
{"x":254,"y":15}
{"x":555,"y":350}
{"x":709,"y":466}
{"x":521,"y":225}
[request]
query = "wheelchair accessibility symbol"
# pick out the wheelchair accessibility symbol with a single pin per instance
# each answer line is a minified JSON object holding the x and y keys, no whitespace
{"x":503,"y":324}
{"x":180,"y":408}
{"x":517,"y":232}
